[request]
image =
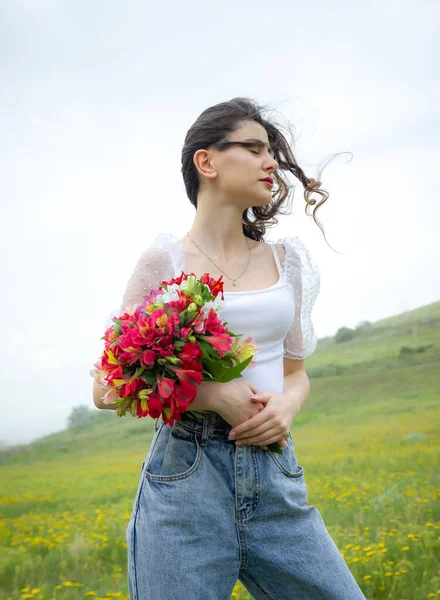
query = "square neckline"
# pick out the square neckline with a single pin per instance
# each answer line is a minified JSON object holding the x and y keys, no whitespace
{"x":280,"y":283}
{"x":275,"y":285}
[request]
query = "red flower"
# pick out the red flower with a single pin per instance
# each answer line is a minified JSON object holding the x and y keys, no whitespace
{"x":215,"y":285}
{"x":142,"y":408}
{"x":222,"y":343}
{"x":184,"y":332}
{"x":179,"y":279}
{"x":213,"y":323}
{"x":188,"y":375}
{"x":180,"y":304}
{"x":155,"y":406}
{"x":131,"y":387}
{"x":165,"y":386}
{"x":108,"y":364}
{"x":147,"y":359}
{"x":190,"y":351}
{"x":185,"y":394}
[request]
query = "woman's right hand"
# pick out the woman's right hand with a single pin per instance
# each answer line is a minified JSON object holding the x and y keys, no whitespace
{"x":234,"y":402}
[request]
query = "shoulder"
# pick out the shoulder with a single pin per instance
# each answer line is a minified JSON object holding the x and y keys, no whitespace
{"x":163,"y":248}
{"x":155,"y":261}
{"x":281,"y":251}
{"x":291,"y":244}
{"x":153,"y":255}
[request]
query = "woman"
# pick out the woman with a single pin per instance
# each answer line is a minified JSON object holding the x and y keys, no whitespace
{"x":212,"y":508}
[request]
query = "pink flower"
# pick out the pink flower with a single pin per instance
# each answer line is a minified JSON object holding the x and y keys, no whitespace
{"x":111,"y":396}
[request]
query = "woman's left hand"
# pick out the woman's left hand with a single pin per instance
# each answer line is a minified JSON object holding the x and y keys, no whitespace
{"x":271,"y":424}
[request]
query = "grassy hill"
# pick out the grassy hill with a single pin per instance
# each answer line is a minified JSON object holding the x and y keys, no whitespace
{"x":368,"y":372}
{"x":367,"y":439}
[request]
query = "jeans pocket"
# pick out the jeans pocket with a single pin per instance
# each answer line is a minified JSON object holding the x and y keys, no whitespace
{"x":176,"y":455}
{"x":287,"y":462}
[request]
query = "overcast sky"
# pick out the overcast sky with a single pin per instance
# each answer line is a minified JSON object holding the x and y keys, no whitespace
{"x":95,"y":102}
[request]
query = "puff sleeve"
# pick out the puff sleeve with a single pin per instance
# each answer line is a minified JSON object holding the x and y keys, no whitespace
{"x":304,"y":276}
{"x":154,"y":265}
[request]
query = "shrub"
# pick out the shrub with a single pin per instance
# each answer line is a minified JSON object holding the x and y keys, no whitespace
{"x":344,"y":334}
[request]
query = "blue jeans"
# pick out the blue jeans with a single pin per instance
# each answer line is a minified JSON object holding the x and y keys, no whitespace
{"x":208,"y":512}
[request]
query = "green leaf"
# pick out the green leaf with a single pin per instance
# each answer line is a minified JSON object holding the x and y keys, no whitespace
{"x":233,"y":372}
{"x":208,"y":374}
{"x":275,"y":447}
{"x":217,"y":370}
{"x":208,"y":351}
{"x":229,"y":360}
{"x":149,"y":378}
{"x":233,"y":334}
{"x":198,"y":414}
{"x":138,"y":372}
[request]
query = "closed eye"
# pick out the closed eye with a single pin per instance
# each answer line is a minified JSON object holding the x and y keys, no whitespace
{"x":271,"y":152}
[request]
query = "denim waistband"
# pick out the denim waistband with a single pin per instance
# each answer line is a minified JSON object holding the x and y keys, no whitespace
{"x":211,"y":423}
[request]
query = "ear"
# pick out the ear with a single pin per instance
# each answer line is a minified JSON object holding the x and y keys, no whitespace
{"x":203,"y":161}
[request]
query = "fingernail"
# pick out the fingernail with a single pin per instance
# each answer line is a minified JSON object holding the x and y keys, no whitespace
{"x":232,"y":435}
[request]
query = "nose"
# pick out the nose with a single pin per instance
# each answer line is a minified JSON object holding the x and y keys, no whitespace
{"x":273,"y":164}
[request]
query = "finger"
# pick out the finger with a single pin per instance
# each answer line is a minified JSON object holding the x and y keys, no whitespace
{"x":265,"y":397}
{"x":266,"y":427}
{"x":266,"y":439}
{"x":262,"y":401}
{"x":252,"y":423}
{"x":260,"y":434}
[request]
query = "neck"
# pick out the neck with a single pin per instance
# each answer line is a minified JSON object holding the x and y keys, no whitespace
{"x":221,"y":237}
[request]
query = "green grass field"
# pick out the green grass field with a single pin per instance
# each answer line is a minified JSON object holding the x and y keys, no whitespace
{"x":367,"y":439}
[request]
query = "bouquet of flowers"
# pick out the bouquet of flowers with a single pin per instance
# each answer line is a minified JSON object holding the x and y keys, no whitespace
{"x":161,"y":349}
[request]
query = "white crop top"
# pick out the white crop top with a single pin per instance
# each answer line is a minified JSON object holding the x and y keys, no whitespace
{"x":278,"y":317}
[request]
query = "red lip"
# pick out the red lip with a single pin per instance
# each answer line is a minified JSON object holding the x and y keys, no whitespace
{"x":268,"y":180}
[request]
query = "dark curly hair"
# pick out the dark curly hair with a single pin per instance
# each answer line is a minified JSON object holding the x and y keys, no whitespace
{"x":211,"y":130}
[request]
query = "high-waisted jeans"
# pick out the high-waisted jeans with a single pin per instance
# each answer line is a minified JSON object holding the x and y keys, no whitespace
{"x":208,"y":512}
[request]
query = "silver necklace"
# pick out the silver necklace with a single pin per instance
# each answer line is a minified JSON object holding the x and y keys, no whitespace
{"x":233,"y":280}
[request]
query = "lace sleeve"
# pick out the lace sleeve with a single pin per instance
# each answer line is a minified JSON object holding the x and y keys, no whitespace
{"x":304,"y":275}
{"x":153,"y":266}
{"x":160,"y":261}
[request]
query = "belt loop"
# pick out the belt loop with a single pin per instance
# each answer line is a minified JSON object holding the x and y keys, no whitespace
{"x":205,"y":432}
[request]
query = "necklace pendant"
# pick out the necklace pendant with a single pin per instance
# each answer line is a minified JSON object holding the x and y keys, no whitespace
{"x":233,"y":283}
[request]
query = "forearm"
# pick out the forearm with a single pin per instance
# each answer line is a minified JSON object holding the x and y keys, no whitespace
{"x":207,"y":398}
{"x":297,"y":385}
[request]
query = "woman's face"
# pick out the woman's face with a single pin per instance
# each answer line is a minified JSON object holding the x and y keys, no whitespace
{"x":239,"y":169}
